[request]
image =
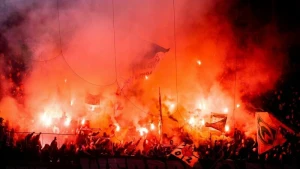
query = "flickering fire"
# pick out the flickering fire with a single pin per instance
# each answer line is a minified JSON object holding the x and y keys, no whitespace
{"x":67,"y":122}
{"x":143,"y":131}
{"x":199,"y":62}
{"x":192,"y":121}
{"x":226,"y":128}
{"x":225,"y":110}
{"x":72,"y":102}
{"x":118,"y":128}
{"x":202,"y":122}
{"x":152,"y":127}
{"x":82,"y":121}
{"x":46,"y":120}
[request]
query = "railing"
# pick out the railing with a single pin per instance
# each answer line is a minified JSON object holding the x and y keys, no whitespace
{"x":47,"y":138}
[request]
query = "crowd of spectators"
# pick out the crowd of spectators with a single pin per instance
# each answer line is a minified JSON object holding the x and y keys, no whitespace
{"x":29,"y":148}
{"x":284,"y":102}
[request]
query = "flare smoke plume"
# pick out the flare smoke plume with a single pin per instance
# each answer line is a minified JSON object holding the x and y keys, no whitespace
{"x":53,"y":53}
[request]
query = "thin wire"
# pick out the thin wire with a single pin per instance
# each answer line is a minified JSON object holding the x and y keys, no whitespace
{"x":115,"y":54}
{"x":175,"y":55}
{"x":234,"y":106}
{"x":114,"y":33}
{"x":62,"y":54}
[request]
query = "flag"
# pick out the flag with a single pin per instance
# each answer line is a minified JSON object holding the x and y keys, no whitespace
{"x":147,"y":62}
{"x":218,"y":115}
{"x":92,"y":99}
{"x":186,"y":153}
{"x":172,"y":118}
{"x":269,"y":132}
{"x":219,"y":125}
{"x":154,"y":49}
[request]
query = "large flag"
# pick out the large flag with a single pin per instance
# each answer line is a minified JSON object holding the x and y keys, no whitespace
{"x":186,"y":153}
{"x":145,"y":65}
{"x":218,"y":115}
{"x":269,"y":131}
{"x":219,"y":125}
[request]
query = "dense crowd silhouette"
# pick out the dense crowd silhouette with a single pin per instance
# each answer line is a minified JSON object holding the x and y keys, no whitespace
{"x":28,"y":147}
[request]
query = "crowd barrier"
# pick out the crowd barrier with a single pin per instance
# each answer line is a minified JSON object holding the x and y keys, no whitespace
{"x":141,"y":163}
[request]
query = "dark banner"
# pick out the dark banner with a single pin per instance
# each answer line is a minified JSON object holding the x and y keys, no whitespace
{"x":143,"y":163}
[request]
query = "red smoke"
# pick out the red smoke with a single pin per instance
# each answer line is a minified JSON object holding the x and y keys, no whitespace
{"x":215,"y":65}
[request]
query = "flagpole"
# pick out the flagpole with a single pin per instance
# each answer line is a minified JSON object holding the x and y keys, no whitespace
{"x":209,"y":128}
{"x":160,"y":116}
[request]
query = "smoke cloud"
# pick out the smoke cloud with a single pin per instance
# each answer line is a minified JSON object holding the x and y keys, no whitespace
{"x":70,"y":48}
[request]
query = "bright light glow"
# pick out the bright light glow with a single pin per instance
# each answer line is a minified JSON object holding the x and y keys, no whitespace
{"x":192,"y":121}
{"x":226,"y":128}
{"x":202,"y":106}
{"x":143,"y":131}
{"x":225,"y":110}
{"x":199,"y":62}
{"x":238,"y":105}
{"x":46,"y":120}
{"x":66,"y":80}
{"x":67,"y":122}
{"x":72,"y":102}
{"x":146,"y":77}
{"x":117,"y":127}
{"x":82,"y":121}
{"x":152,"y":127}
{"x":202,"y":122}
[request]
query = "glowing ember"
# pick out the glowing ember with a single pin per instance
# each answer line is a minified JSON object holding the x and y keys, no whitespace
{"x":146,"y":77}
{"x":117,"y":127}
{"x":238,"y":105}
{"x":143,"y":131}
{"x":202,"y":122}
{"x":82,"y":121}
{"x":202,"y":106}
{"x":46,"y":120}
{"x":67,"y":122}
{"x":199,"y":62}
{"x":226,"y":128}
{"x":192,"y":121}
{"x":225,"y":110}
{"x":72,"y":102}
{"x":152,"y":127}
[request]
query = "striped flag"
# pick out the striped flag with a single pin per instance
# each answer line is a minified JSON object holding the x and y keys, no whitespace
{"x":219,"y":125}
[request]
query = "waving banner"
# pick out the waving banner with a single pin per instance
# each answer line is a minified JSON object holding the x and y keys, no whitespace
{"x":186,"y":153}
{"x":270,"y":131}
{"x":219,"y":125}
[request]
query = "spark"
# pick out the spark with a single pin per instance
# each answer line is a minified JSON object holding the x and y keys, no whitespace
{"x":225,"y":110}
{"x":152,"y":127}
{"x":202,"y":122}
{"x":226,"y":128}
{"x":238,"y":105}
{"x":82,"y":121}
{"x":143,"y":131}
{"x":192,"y":121}
{"x":146,"y":77}
{"x":67,"y":122}
{"x":118,"y":128}
{"x":199,"y":62}
{"x":72,"y":102}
